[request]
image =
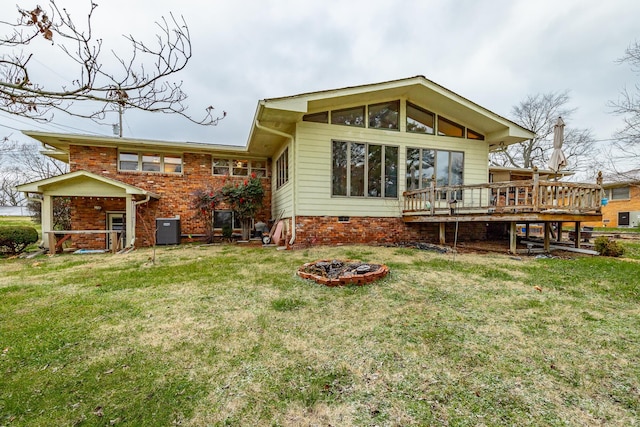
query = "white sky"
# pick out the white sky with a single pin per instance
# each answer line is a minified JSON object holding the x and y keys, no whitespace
{"x":493,"y":52}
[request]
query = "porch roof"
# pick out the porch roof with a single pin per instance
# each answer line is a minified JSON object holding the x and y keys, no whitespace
{"x":83,"y":183}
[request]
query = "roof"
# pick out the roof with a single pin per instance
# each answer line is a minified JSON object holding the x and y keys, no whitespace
{"x":275,"y":118}
{"x":74,"y":184}
{"x":57,"y":144}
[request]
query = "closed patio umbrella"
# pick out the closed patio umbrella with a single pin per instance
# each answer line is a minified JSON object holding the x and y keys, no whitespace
{"x":558,"y":159}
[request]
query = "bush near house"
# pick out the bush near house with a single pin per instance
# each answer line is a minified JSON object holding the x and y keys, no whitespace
{"x":15,"y":239}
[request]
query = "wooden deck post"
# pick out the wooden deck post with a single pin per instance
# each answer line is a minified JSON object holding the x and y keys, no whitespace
{"x":547,"y":237}
{"x":577,"y":235}
{"x":513,"y":237}
{"x":535,"y":190}
{"x":442,"y":233}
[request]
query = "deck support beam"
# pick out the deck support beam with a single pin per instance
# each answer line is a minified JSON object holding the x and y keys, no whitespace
{"x":513,"y":237}
{"x":547,"y":236}
{"x":442,"y":233}
{"x":577,"y":235}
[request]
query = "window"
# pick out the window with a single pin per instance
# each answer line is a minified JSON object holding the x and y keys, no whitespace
{"x":348,"y":117}
{"x":424,"y":164}
{"x":225,"y":217}
{"x":221,"y":166}
{"x":151,"y":163}
{"x":448,"y":128}
{"x":474,"y":135}
{"x":620,"y":193}
{"x":148,"y":162}
{"x":316,"y":117}
{"x":420,"y":120}
{"x":384,"y":116}
{"x":364,"y":170}
{"x":282,"y":168}
{"x":240,"y":167}
{"x":128,"y":162}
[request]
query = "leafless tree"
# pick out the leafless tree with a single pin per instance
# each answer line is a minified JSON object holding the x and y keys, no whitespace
{"x":20,"y":163}
{"x":539,"y":114}
{"x":627,"y":139}
{"x":142,"y":80}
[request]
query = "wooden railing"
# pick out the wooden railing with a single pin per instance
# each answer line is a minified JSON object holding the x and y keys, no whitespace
{"x":503,"y":197}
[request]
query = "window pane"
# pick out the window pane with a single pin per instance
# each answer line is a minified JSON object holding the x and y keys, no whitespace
{"x":384,"y":116}
{"x":317,"y":117}
{"x":442,"y":171}
{"x":474,"y":135}
{"x":457,"y":168}
{"x":620,"y":193}
{"x":128,"y":162}
{"x":448,"y":128}
{"x":348,"y":117}
{"x":427,"y":169}
{"x":259,"y":167}
{"x":391,"y":172}
{"x":151,"y":163}
{"x":220,"y":166}
{"x":413,"y":169}
{"x":241,"y":167}
{"x":173,"y":164}
{"x":374,"y":166}
{"x":357,"y":169}
{"x":222,"y":218}
{"x":282,"y":168}
{"x":419,"y":120}
{"x":339,"y":169}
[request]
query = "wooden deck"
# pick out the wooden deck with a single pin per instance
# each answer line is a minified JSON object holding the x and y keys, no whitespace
{"x":513,"y":202}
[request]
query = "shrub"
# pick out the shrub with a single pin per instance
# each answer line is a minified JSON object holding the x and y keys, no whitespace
{"x":14,"y":240}
{"x":605,"y":246}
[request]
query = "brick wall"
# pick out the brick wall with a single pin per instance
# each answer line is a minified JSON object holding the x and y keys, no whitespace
{"x":329,"y":230}
{"x":610,"y":211}
{"x":176,"y":192}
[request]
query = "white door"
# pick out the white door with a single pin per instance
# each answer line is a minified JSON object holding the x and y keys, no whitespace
{"x":116,"y":222}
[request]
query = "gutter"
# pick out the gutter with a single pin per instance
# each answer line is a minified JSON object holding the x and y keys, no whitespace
{"x":295,"y":181}
{"x":135,"y":214}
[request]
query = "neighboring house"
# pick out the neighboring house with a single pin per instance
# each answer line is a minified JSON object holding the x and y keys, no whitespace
{"x":404,"y":160}
{"x":623,"y":205}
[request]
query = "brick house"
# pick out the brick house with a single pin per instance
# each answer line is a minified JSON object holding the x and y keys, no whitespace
{"x":404,"y":160}
{"x":623,"y":205}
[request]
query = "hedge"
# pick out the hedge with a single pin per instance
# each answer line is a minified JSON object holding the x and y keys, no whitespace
{"x":15,"y":239}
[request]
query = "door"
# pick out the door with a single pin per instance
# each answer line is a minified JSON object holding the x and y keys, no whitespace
{"x":116,"y":222}
{"x":623,"y":219}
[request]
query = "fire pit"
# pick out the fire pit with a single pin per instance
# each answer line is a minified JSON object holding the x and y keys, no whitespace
{"x":342,"y":272}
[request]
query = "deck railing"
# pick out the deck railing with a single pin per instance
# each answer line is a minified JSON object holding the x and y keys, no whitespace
{"x":505,"y":197}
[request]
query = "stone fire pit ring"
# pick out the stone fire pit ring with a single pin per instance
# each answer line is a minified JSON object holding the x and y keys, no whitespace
{"x":342,"y":272}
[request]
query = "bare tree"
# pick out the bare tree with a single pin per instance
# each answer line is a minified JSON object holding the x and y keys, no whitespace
{"x":627,"y":139}
{"x":141,"y":80}
{"x":539,"y":114}
{"x":20,"y":163}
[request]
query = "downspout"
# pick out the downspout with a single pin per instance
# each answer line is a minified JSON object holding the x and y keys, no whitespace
{"x":135,"y":215}
{"x":295,"y":181}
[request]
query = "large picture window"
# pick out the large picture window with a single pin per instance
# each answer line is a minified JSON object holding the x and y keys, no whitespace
{"x":423,"y":164}
{"x":420,"y":120}
{"x":364,"y":170}
{"x":620,"y":193}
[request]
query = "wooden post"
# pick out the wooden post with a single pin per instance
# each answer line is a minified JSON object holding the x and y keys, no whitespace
{"x":432,"y":194}
{"x":513,"y":238}
{"x":535,"y":190}
{"x":547,"y":232}
{"x":527,"y":231}
{"x":559,"y":228}
{"x":577,"y":235}
{"x":442,"y":233}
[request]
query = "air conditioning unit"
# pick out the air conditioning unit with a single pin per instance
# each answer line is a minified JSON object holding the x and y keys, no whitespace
{"x":168,"y":231}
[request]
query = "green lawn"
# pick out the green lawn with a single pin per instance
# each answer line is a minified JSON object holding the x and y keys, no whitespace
{"x":227,"y":335}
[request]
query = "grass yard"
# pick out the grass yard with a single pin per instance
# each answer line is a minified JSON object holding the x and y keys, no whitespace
{"x":226,"y":335}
